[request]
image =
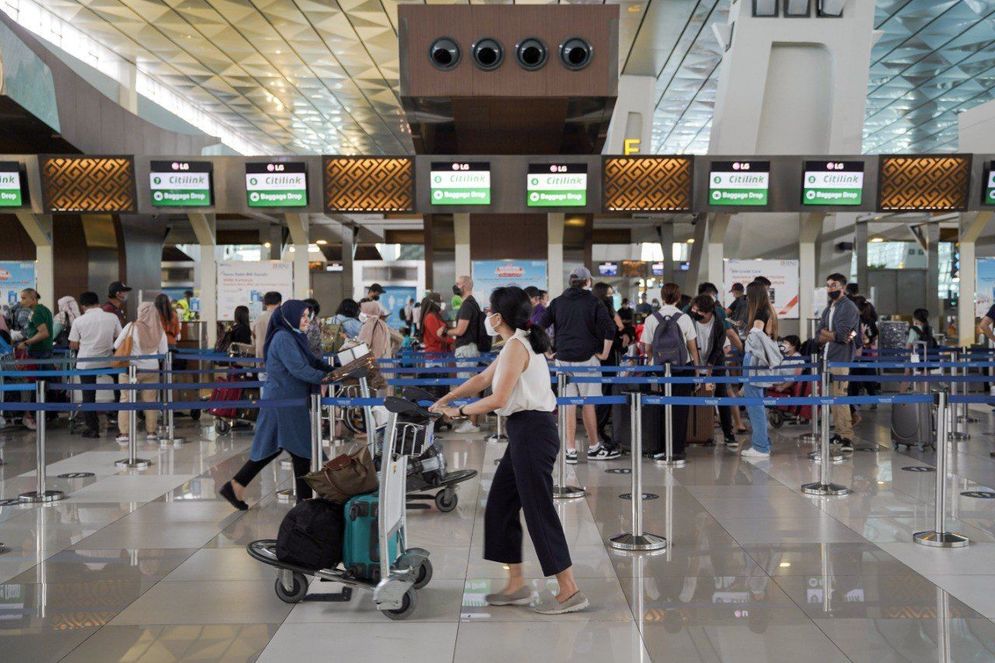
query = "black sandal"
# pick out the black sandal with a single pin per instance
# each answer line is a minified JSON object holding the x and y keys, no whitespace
{"x":228,"y":492}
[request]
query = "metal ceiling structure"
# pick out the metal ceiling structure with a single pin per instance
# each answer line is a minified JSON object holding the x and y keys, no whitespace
{"x":322,"y":77}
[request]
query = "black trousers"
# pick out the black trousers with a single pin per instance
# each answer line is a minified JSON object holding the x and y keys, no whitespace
{"x":90,"y":419}
{"x":524,"y":480}
{"x":301,"y":467}
{"x":725,"y":412}
{"x":680,"y":418}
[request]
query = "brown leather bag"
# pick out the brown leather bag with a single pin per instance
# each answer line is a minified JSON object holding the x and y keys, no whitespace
{"x":365,"y":366}
{"x":344,"y":476}
{"x":124,"y":350}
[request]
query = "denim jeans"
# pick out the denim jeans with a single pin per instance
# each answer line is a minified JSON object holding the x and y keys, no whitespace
{"x":757,"y":413}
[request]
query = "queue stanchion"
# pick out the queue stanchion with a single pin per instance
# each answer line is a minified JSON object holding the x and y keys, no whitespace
{"x":813,"y":435}
{"x":668,"y":425}
{"x":498,"y":435}
{"x":171,"y":437}
{"x":965,"y":409}
{"x":133,"y":462}
{"x":637,"y":540}
{"x":560,"y":489}
{"x":825,"y":451}
{"x":371,"y":424}
{"x":316,"y":450}
{"x":939,"y":537}
{"x":41,"y":493}
{"x":953,"y":431}
{"x":824,"y":487}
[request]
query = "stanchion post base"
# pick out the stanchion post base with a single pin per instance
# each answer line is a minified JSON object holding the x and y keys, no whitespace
{"x":497,"y":438}
{"x":835,"y":457}
{"x":176,"y":441}
{"x":138,"y":464}
{"x":663,"y":462}
{"x":632,"y":543}
{"x":940,"y":539}
{"x":825,"y":489}
{"x":45,"y":496}
{"x":568,"y":492}
{"x":958,"y":436}
{"x":284,"y":495}
{"x":968,"y":419}
{"x":808,"y":437}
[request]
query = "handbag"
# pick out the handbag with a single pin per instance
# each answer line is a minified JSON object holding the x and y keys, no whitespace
{"x":344,"y":476}
{"x":124,"y":350}
{"x":364,"y":366}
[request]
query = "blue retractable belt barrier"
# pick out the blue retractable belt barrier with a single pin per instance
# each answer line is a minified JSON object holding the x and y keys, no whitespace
{"x":591,"y":400}
{"x":219,"y":357}
{"x":185,"y":405}
{"x":61,"y":374}
{"x":710,"y":379}
{"x":827,"y":401}
{"x":17,"y":387}
{"x":920,"y":364}
{"x":943,"y":379}
{"x":140,"y":386}
{"x":352,"y":402}
{"x":82,"y":360}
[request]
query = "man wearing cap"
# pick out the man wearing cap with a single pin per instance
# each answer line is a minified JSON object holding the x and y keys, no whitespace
{"x":739,"y":309}
{"x":374,"y":292}
{"x":117,"y":297}
{"x":584,"y":335}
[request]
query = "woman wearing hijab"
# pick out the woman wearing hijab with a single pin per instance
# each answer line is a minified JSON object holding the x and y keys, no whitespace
{"x":147,"y":338}
{"x":375,"y":333}
{"x":68,"y":312}
{"x":292,"y":372}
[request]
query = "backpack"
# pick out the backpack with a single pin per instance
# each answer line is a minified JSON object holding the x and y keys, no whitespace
{"x":669,"y":346}
{"x":311,"y":535}
{"x":926,"y":335}
{"x":332,"y":337}
{"x":484,"y":341}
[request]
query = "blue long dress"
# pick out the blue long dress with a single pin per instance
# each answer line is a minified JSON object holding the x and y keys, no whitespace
{"x":288,"y":376}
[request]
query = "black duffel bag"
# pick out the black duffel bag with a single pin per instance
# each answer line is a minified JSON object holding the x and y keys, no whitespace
{"x":311,"y":535}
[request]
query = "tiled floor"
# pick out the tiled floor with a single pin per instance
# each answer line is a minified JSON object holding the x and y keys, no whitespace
{"x":150,"y":566}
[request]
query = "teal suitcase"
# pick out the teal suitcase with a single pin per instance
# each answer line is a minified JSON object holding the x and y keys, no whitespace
{"x":361,"y":548}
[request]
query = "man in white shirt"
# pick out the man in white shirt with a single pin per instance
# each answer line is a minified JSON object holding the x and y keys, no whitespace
{"x":271,"y":300}
{"x":92,"y":335}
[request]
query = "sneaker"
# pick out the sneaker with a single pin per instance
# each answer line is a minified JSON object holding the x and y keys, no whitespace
{"x":753,"y":453}
{"x":663,"y":456}
{"x":29,"y":423}
{"x":575,"y":603}
{"x":152,"y":437}
{"x":521,"y":596}
{"x":731,"y":441}
{"x":601,"y":452}
{"x":121,"y":439}
{"x":846,"y":444}
{"x":571,"y":456}
{"x":467,"y":427}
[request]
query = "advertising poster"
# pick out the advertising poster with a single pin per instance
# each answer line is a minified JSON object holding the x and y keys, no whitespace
{"x":15,"y":277}
{"x":984,"y":286}
{"x":394,"y":299}
{"x":490,"y":274}
{"x":783,"y":275}
{"x":243,"y":283}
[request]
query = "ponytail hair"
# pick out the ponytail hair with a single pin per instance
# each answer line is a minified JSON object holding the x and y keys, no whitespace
{"x":515,"y":308}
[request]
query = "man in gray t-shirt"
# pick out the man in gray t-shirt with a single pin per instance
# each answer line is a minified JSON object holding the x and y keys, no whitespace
{"x":839,"y":328}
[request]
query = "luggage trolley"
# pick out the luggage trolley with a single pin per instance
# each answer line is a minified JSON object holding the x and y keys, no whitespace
{"x":227,"y":418}
{"x":395,"y":585}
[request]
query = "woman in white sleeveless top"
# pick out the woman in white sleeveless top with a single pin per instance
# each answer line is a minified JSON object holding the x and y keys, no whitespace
{"x":521,"y":391}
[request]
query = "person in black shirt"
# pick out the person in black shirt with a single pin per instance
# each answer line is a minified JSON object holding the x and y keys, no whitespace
{"x":469,"y":322}
{"x":241,"y":331}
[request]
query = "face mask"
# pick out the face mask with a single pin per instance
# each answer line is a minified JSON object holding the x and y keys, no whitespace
{"x":489,"y":328}
{"x":123,"y":296}
{"x":698,"y":317}
{"x":456,"y":290}
{"x":834,"y":295}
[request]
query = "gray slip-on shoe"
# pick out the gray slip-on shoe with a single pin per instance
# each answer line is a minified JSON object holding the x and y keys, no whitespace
{"x":575,"y":603}
{"x":521,"y":596}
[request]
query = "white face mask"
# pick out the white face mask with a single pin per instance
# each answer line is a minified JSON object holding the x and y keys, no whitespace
{"x":489,"y":328}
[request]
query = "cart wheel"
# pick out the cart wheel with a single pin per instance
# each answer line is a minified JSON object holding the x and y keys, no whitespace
{"x":195,"y":415}
{"x":424,"y":574}
{"x":408,"y":605}
{"x":297,"y":593}
{"x":221,"y":426}
{"x":776,"y":418}
{"x":446,"y":500}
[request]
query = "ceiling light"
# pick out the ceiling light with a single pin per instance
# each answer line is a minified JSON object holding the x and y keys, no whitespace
{"x":796,"y":7}
{"x":267,"y":245}
{"x":293,"y":249}
{"x":876,"y":240}
{"x":691,"y":241}
{"x":765,"y":8}
{"x":321,"y":242}
{"x":785,"y":565}
{"x":634,"y":9}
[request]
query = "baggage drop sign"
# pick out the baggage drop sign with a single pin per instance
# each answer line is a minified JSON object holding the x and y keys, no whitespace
{"x":281,"y":184}
{"x":180,"y":184}
{"x":460,"y":183}
{"x":557,"y":185}
{"x":833,"y":183}
{"x":11,"y":184}
{"x":990,"y":185}
{"x":739,"y":183}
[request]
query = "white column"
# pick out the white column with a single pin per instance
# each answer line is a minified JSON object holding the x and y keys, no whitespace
{"x":632,"y":118}
{"x":972,"y":225}
{"x":205,"y":229}
{"x":666,"y":234}
{"x":39,"y":229}
{"x":554,"y":260}
{"x":299,"y":235}
{"x":461,"y":234}
{"x":808,"y":265}
{"x":127,"y":92}
{"x":718,"y":225}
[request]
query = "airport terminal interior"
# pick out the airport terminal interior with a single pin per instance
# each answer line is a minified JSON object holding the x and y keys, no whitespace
{"x":643,"y":330}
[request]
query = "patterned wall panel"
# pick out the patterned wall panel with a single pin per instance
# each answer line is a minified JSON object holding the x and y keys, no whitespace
{"x":369,"y":184}
{"x":924,"y":183}
{"x":647,"y":184}
{"x":88,"y":184}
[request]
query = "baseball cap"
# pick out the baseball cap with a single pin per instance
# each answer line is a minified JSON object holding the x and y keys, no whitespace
{"x":116,"y":287}
{"x":580,"y":273}
{"x":376,"y":287}
{"x":737,"y":287}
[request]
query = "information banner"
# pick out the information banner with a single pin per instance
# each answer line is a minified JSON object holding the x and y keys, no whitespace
{"x":15,"y":277}
{"x":556,"y":185}
{"x":833,"y":183}
{"x":243,"y":283}
{"x":181,"y":183}
{"x":11,"y":184}
{"x":782,"y":274}
{"x":739,"y":183}
{"x":461,"y":183}
{"x":984,"y":286}
{"x":278,"y":184}
{"x":490,"y":274}
{"x":393,"y":299}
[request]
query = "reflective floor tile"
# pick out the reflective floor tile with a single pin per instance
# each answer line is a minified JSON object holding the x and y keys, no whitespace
{"x":221,"y":564}
{"x":136,"y":487}
{"x":563,"y":641}
{"x":807,"y":559}
{"x":65,"y":606}
{"x":375,"y":641}
{"x":227,"y":643}
{"x":588,"y":562}
{"x":790,"y":530}
{"x":449,"y":563}
{"x":43,"y":645}
{"x":920,"y":639}
{"x":87,"y":565}
{"x":976,"y":591}
{"x":260,"y":522}
{"x":606,"y":597}
{"x":185,"y":512}
{"x":207,"y":602}
{"x":709,"y":597}
{"x":724,"y":509}
{"x":101,"y":463}
{"x":680,"y":560}
{"x":977,"y":558}
{"x":440,"y":601}
{"x":127,"y":533}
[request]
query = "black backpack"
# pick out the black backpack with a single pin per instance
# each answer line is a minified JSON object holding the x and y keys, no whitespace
{"x":926,"y":335}
{"x":311,"y":535}
{"x":481,"y":338}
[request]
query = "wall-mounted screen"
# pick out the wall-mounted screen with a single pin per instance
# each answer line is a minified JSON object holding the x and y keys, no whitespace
{"x":276,"y":184}
{"x":608,"y":269}
{"x":461,"y":183}
{"x":657,"y":269}
{"x":12,"y":185}
{"x":556,"y":185}
{"x":181,"y":183}
{"x":833,"y":183}
{"x":739,"y":183}
{"x":990,"y":184}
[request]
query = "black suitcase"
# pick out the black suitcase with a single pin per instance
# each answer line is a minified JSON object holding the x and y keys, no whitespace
{"x":912,"y":425}
{"x":622,"y":424}
{"x":311,"y":535}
